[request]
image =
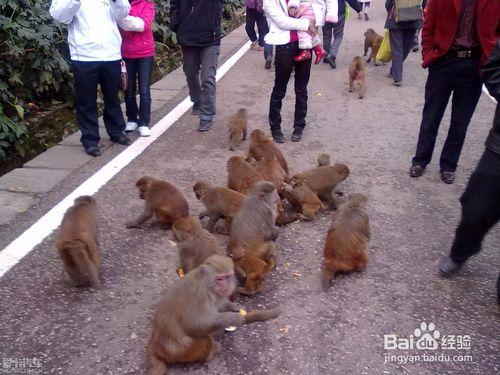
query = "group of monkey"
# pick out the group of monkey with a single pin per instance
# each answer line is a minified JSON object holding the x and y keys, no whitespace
{"x":248,"y":209}
{"x":357,"y":69}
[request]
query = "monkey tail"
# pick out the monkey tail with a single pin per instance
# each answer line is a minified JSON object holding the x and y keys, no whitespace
{"x":261,"y":315}
{"x":78,"y":252}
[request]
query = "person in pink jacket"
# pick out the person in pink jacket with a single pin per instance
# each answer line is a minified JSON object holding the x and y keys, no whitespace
{"x":138,"y":50}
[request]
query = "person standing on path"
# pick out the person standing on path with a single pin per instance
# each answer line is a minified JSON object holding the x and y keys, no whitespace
{"x":138,"y":50}
{"x":481,"y":199}
{"x":94,"y":43}
{"x":401,"y":38}
{"x":457,"y":39}
{"x":198,"y":28}
{"x":283,"y":34}
{"x":332,"y":49}
{"x":255,"y":14}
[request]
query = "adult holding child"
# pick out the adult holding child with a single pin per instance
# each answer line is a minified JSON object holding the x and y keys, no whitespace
{"x":283,"y":34}
{"x":94,"y":43}
{"x":138,"y":49}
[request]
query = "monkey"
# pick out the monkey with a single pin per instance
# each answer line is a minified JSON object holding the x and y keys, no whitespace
{"x":77,"y":242}
{"x":347,"y":238}
{"x":251,"y":234}
{"x":220,"y":202}
{"x":357,"y":75}
{"x":323,"y":160}
{"x":192,"y":310}
{"x":373,"y":41}
{"x":237,"y":129}
{"x":262,"y":147}
{"x":303,"y":199}
{"x":163,"y":200}
{"x":196,"y":243}
{"x":270,"y":170}
{"x":242,"y":176}
{"x":322,"y":181}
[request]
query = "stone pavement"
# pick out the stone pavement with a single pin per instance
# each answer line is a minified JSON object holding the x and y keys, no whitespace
{"x":23,"y":187}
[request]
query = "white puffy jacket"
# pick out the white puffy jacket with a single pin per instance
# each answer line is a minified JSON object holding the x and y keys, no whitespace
{"x":280,"y":23}
{"x":323,"y":9}
{"x":92,"y":27}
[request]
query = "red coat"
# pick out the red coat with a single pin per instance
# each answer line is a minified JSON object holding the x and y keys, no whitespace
{"x":441,"y":22}
{"x":140,"y":44}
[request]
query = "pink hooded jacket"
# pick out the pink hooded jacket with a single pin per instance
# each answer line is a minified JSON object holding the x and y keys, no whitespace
{"x":138,"y":43}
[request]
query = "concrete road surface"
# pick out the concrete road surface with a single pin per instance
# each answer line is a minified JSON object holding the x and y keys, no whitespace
{"x":78,"y":331}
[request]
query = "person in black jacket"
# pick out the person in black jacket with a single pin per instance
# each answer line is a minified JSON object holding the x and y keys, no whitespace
{"x":197,"y":24}
{"x":332,"y":49}
{"x":481,"y":199}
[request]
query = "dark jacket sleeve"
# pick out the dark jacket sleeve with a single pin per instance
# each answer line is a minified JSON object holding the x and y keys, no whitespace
{"x":174,"y":15}
{"x":491,"y":72}
{"x":356,"y":5}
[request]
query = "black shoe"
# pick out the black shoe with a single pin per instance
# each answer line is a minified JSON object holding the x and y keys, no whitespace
{"x":122,"y":140}
{"x":332,"y":63}
{"x":93,"y":151}
{"x":396,"y":83}
{"x":366,"y":17}
{"x":448,"y":267}
{"x":447,"y":177}
{"x":205,"y":125}
{"x":326,"y":60}
{"x":268,"y":63}
{"x":279,"y":138}
{"x":416,"y":170}
{"x":296,"y":135}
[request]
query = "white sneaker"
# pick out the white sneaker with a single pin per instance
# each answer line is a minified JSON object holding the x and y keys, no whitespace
{"x":144,"y":131}
{"x":131,"y":126}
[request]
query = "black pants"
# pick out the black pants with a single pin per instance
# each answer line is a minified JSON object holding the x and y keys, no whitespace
{"x":139,"y":70}
{"x":252,"y":17}
{"x":88,"y":74}
{"x":285,"y":64}
{"x":480,"y":207}
{"x":448,"y":75}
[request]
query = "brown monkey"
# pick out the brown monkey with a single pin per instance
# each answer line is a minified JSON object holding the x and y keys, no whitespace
{"x":77,"y":242}
{"x":220,"y":202}
{"x":373,"y":41}
{"x":196,"y":243}
{"x":322,"y":181}
{"x":241,"y":175}
{"x":191,"y":311}
{"x":323,"y":160}
{"x":270,"y":170}
{"x":163,"y":200}
{"x":349,"y":233}
{"x":357,"y":76}
{"x":263,"y":147}
{"x":237,"y":129}
{"x":303,"y":199}
{"x":251,"y":232}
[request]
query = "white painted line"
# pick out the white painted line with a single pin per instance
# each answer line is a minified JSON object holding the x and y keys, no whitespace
{"x":485,"y":90}
{"x":35,"y":234}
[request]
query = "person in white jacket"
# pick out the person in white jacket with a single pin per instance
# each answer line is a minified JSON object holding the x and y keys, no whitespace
{"x":317,"y":11}
{"x":283,"y":34}
{"x":95,"y":43}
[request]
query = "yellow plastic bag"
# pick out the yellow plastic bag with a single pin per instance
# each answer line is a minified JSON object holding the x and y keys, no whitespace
{"x":384,"y":53}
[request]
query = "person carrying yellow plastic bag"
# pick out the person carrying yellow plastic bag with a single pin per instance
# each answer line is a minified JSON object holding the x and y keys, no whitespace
{"x":384,"y":52}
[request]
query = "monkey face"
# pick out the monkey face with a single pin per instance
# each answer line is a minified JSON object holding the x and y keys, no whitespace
{"x":141,"y":193}
{"x":224,"y":284}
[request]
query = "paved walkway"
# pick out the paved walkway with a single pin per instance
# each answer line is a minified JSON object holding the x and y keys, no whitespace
{"x":338,"y":332}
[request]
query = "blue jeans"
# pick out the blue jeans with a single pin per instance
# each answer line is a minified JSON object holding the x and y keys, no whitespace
{"x":139,"y":69}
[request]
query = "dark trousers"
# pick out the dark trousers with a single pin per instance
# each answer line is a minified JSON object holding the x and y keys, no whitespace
{"x":139,"y":70}
{"x":89,"y":74}
{"x":285,"y":64}
{"x":401,"y":41}
{"x":337,"y":29}
{"x":448,"y":75}
{"x":480,"y":207}
{"x":253,"y":17}
{"x":200,"y":67}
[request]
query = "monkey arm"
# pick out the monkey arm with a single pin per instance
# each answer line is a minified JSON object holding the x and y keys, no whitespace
{"x":145,"y":216}
{"x":230,"y":306}
{"x":226,"y":319}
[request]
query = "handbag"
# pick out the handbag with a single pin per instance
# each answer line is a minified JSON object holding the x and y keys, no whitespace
{"x":384,"y":53}
{"x":123,"y":76}
{"x":408,"y":10}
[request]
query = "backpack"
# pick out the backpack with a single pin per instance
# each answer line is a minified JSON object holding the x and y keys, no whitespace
{"x":408,"y":10}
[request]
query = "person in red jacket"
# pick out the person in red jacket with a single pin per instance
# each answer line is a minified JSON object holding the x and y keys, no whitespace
{"x":138,"y":50}
{"x":457,"y":38}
